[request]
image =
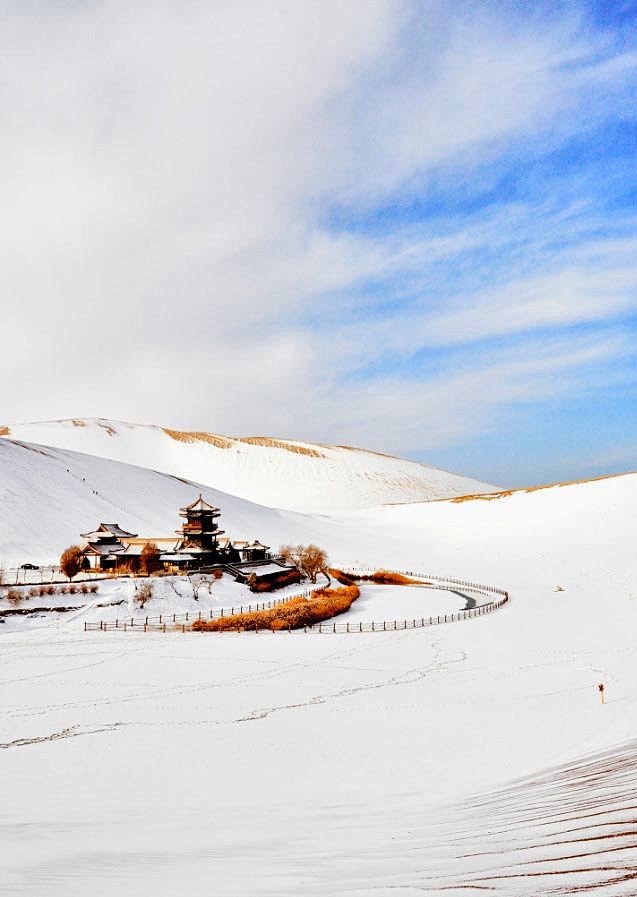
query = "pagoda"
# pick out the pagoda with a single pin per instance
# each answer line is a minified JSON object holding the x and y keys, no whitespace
{"x":105,"y":545}
{"x":200,"y":532}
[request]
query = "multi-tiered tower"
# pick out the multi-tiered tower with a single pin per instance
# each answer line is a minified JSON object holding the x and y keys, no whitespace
{"x":200,"y":532}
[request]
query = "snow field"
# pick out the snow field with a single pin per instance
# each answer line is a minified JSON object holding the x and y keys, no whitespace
{"x":278,"y":764}
{"x":260,"y":764}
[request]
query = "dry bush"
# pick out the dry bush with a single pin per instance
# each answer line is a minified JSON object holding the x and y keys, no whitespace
{"x":15,"y":596}
{"x":324,"y":604}
{"x":33,"y":593}
{"x":84,"y":589}
{"x":93,"y":588}
{"x":345,"y":579}
{"x":144,"y":593}
{"x":51,"y":590}
{"x":71,"y":561}
{"x":287,"y":577}
{"x":380,"y":577}
{"x":72,"y":589}
{"x":149,"y":559}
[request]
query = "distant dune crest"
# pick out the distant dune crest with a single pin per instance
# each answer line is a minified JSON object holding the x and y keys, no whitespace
{"x":280,"y":473}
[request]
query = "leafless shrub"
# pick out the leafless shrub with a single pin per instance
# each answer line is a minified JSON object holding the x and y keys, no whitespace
{"x":144,"y":592}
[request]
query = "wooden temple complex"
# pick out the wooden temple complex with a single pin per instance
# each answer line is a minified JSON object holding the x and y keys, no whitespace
{"x":200,"y":545}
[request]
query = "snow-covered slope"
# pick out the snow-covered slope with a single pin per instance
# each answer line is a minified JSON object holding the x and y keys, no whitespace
{"x":365,"y":764}
{"x":49,"y":496}
{"x":280,"y":473}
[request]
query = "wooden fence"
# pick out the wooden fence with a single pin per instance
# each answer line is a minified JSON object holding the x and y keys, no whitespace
{"x":160,"y":622}
{"x":183,"y":622}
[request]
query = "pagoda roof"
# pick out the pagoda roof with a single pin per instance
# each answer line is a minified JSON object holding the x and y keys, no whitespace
{"x":200,"y":505}
{"x":105,"y":548}
{"x":106,"y":529}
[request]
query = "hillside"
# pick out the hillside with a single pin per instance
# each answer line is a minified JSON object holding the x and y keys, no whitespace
{"x":49,"y":496}
{"x":275,"y":472}
{"x":467,"y":757}
{"x":571,"y":532}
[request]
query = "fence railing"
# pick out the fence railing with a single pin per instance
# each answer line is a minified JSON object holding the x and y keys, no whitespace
{"x":183,"y":622}
{"x":161,"y":621}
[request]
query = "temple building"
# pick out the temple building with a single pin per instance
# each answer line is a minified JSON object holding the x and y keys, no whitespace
{"x":200,"y":544}
{"x":200,"y":534}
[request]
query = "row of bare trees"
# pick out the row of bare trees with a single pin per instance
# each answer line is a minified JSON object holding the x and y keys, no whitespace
{"x":310,"y":559}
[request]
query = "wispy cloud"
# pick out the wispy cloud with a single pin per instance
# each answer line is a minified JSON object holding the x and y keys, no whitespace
{"x":370,"y":222}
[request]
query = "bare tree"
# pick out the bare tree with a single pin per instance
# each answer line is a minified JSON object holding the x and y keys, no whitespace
{"x":310,"y":559}
{"x":204,"y":581}
{"x":149,"y":559}
{"x":71,"y":561}
{"x":143,"y":592}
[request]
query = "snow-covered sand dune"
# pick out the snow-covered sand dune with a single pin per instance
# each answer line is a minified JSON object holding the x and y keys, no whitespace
{"x":405,"y":762}
{"x":49,"y":496}
{"x":280,"y":473}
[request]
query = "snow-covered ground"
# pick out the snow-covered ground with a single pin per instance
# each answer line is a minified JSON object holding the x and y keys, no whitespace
{"x":286,"y":764}
{"x":426,"y":761}
{"x":380,"y":603}
{"x":116,"y":599}
{"x":280,"y":473}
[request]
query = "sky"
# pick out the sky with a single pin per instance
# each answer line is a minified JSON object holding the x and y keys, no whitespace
{"x":407,"y":226}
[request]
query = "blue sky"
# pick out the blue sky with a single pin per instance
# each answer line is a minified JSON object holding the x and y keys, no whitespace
{"x":404,"y":225}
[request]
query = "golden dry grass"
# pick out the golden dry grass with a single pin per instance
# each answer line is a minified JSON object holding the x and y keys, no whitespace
{"x":323,"y":605}
{"x":5,"y":431}
{"x":380,"y":577}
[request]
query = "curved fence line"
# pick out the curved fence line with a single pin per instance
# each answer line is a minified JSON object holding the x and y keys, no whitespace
{"x":162,"y":620}
{"x":183,"y":622}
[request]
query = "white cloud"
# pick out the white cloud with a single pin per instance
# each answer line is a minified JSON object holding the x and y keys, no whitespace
{"x":169,"y":175}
